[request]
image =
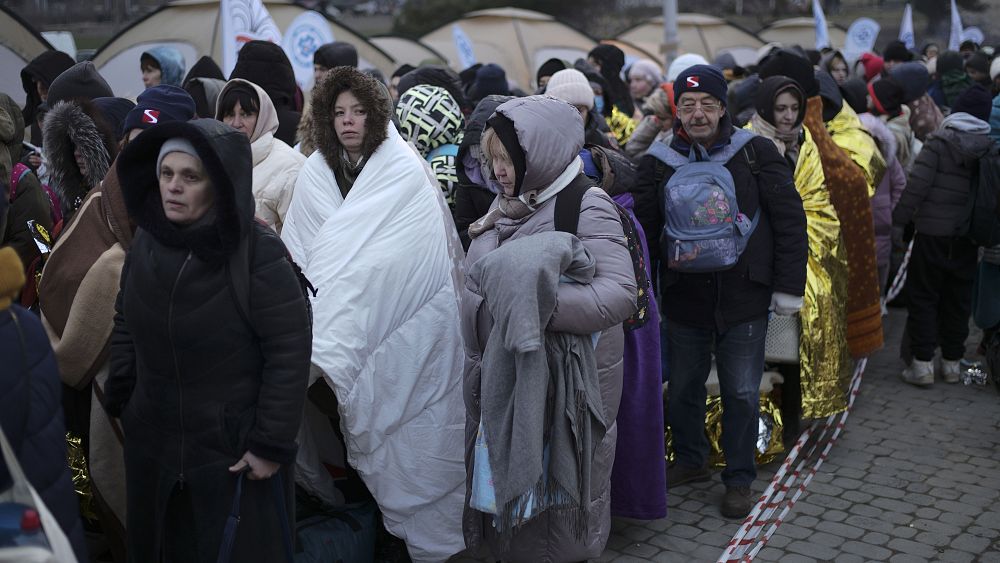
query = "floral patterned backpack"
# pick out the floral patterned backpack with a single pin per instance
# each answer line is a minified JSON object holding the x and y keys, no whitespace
{"x":704,"y":230}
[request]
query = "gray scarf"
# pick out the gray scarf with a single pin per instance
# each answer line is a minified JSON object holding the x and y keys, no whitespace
{"x":539,"y":389}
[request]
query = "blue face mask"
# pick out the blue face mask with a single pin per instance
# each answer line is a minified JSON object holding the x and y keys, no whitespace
{"x":599,"y":104}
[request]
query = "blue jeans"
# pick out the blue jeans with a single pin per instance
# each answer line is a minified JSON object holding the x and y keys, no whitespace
{"x":739,"y":358}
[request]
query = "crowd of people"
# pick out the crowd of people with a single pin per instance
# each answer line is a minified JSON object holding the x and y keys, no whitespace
{"x":496,"y":300}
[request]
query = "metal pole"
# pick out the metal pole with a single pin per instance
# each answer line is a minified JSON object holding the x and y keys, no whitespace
{"x":669,"y":47}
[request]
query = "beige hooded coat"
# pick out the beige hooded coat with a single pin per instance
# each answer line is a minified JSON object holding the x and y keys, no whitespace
{"x":275,"y":164}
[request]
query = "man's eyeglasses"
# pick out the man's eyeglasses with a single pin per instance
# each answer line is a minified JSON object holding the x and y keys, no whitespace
{"x":688,"y":108}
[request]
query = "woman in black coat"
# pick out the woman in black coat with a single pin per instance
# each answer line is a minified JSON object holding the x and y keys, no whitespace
{"x":207,"y":383}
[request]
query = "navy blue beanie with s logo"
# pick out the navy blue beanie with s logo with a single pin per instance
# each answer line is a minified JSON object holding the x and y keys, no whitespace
{"x":702,"y":78}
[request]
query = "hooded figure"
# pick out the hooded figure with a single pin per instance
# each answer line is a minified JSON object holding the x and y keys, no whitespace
{"x":475,"y":190}
{"x":431,"y":119}
{"x":850,"y":193}
{"x":275,"y":164}
{"x":638,"y":477}
{"x":79,"y":82}
{"x":170,"y":63}
{"x":925,"y":116}
{"x":204,"y":82}
{"x":887,"y":194}
{"x":609,"y":61}
{"x":30,"y":411}
{"x":73,"y":129}
{"x":541,"y":138}
{"x":28,"y":200}
{"x":942,"y":265}
{"x":394,"y":364}
{"x":198,"y":406}
{"x":38,"y":75}
{"x":824,"y":368}
{"x":951,"y":73}
{"x":266,"y":65}
{"x":77,"y":303}
{"x":835,"y":63}
{"x":620,"y":125}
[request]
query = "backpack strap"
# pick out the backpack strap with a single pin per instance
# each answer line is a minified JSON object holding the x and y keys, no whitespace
{"x":17,"y":173}
{"x":751,"y":155}
{"x":568,"y":201}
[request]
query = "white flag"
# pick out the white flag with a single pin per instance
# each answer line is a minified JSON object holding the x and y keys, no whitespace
{"x":822,"y":35}
{"x":861,"y":38}
{"x":307,"y":32}
{"x":906,"y":28}
{"x":955,"y":39}
{"x":466,"y":56}
{"x":242,"y":22}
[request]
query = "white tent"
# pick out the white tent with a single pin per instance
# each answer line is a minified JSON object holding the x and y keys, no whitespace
{"x":405,"y":51}
{"x":702,"y":34}
{"x":193,"y":28}
{"x":19,"y":44}
{"x":517,"y":40}
{"x":801,"y":31}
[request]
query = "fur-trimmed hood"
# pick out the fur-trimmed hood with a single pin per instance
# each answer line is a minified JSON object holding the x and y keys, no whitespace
{"x":70,"y":126}
{"x":225,"y":154}
{"x":372,"y":96}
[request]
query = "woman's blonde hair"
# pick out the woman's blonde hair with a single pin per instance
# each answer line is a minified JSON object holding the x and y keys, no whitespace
{"x":492,"y":148}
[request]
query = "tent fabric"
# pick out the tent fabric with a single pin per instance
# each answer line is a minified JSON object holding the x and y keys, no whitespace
{"x":701,"y":34}
{"x":801,"y":31}
{"x":405,"y":51}
{"x":517,"y":40}
{"x":193,"y":27}
{"x":19,"y":44}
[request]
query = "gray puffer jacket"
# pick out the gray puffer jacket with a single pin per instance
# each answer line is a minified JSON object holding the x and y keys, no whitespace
{"x":939,"y":184}
{"x":550,"y":142}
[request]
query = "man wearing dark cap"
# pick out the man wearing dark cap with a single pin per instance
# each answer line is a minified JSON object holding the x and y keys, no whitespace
{"x":942,"y":265}
{"x":546,"y":71}
{"x":333,"y":55}
{"x":722,"y":311}
{"x":895,"y":53}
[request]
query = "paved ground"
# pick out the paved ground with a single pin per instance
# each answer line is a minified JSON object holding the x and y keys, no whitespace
{"x":914,"y":477}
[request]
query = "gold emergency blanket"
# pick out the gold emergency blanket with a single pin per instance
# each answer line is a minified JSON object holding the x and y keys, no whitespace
{"x":823,"y":356}
{"x":769,"y":427}
{"x":621,"y":126}
{"x":81,"y":477}
{"x":849,"y":195}
{"x":850,"y":135}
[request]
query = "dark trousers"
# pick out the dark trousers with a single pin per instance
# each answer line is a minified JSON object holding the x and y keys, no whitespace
{"x":739,"y":359}
{"x":939,"y":295}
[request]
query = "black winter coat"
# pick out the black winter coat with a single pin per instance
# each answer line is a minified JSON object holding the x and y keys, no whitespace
{"x":773,"y":261}
{"x":32,"y":419}
{"x":939,"y":184}
{"x":196,"y":386}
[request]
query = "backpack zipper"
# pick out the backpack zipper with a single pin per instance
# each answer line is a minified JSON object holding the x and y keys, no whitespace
{"x":177,"y":370}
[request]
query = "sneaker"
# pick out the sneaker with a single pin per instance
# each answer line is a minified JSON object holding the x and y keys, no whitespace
{"x":737,"y":502}
{"x":678,"y":474}
{"x":919,"y":373}
{"x":950,"y":370}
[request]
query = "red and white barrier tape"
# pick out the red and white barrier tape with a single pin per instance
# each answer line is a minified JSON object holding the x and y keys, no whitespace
{"x":900,"y":279}
{"x":746,"y":544}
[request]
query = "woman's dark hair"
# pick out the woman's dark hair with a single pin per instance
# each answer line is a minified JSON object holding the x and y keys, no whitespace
{"x":148,"y":61}
{"x":246,"y":96}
